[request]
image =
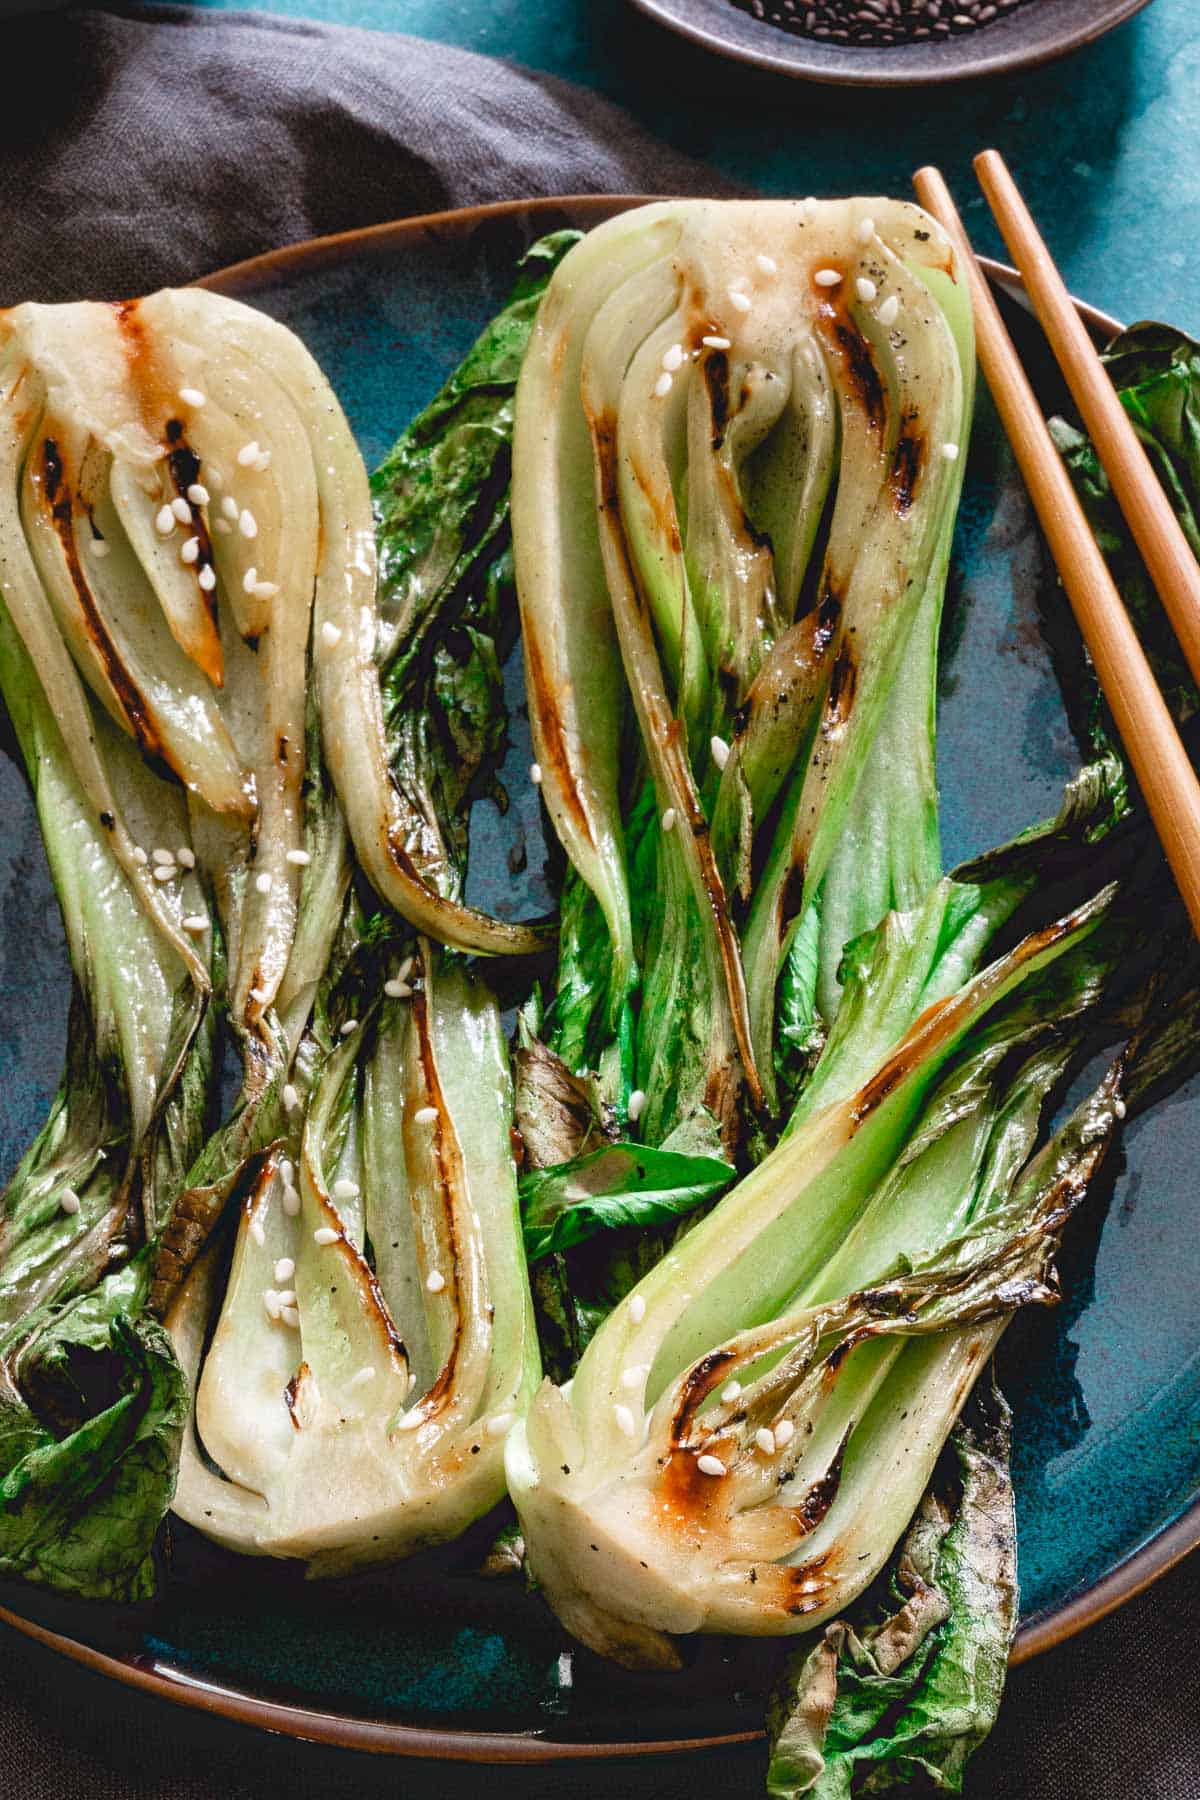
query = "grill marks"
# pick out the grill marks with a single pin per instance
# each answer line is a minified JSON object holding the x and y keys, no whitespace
{"x":552,"y":738}
{"x":908,"y":463}
{"x":451,"y":1184}
{"x":853,"y":355}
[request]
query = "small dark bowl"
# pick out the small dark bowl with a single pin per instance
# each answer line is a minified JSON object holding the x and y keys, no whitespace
{"x":1034,"y":33}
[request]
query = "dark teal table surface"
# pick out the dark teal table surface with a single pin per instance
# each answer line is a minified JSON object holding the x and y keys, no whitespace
{"x":1104,"y":141}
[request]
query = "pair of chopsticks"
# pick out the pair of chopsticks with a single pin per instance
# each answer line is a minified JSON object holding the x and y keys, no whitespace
{"x":1164,"y":773}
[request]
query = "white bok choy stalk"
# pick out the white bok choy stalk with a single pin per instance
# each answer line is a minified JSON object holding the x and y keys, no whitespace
{"x":375,"y":1339}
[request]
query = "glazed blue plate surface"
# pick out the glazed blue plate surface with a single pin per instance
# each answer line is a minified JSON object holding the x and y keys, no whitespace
{"x":432,"y":1657}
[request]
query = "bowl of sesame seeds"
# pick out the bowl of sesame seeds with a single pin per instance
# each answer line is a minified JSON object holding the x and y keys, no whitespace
{"x":891,"y":43}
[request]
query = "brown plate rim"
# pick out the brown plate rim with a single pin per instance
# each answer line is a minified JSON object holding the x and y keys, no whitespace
{"x":812,"y":65}
{"x":163,"y":1679}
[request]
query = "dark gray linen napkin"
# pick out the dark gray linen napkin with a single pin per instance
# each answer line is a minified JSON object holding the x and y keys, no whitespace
{"x":148,"y":147}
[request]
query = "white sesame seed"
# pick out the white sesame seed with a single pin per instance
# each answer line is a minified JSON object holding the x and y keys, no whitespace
{"x":435,"y":1281}
{"x":247,"y":523}
{"x":634,"y":1375}
{"x":347,"y":1026}
{"x":258,"y":994}
{"x":810,"y":202}
{"x":363,"y":1376}
{"x":288,"y":1297}
{"x":405,"y":969}
{"x":186,"y":857}
{"x":637,"y":1308}
{"x":330,"y":635}
{"x":720,"y":751}
{"x":625,"y":1420}
{"x":766,"y":1441}
{"x":889,"y":310}
{"x":249,"y":579}
{"x":165,"y":872}
{"x":710,"y":1465}
{"x":263,"y":883}
{"x":160,"y":855}
{"x":98,"y":547}
{"x":345,"y":1189}
{"x":189,"y":550}
{"x":673,"y":358}
{"x":265,"y":590}
{"x":290,"y":1097}
{"x":207,"y":578}
{"x":767,"y":264}
{"x":271,"y":1302}
{"x":663,"y":385}
{"x":291,"y":1201}
{"x":257,"y":1232}
{"x":397,"y":990}
{"x":828,"y":278}
{"x":223,"y":526}
{"x":739,"y":301}
{"x":299,"y":859}
{"x":325,"y":1235}
{"x":290,"y":1317}
{"x":411,"y":1420}
{"x":195,"y":922}
{"x":865,"y":288}
{"x":69,"y":1201}
{"x":535,"y":774}
{"x":1120,"y":1108}
{"x":285,"y":1268}
{"x":287,"y":1170}
{"x":181,"y":509}
{"x":198,"y":494}
{"x":191,"y":396}
{"x":425,"y":1115}
{"x":229,"y":507}
{"x":636,"y":1102}
{"x":499,"y":1424}
{"x":950,"y":452}
{"x":139,"y":855}
{"x":164,"y":521}
{"x":668,"y":819}
{"x":262,"y":462}
{"x":731,"y":1391}
{"x":247,"y":453}
{"x":866,"y":230}
{"x":785,"y":1431}
{"x":716,"y":343}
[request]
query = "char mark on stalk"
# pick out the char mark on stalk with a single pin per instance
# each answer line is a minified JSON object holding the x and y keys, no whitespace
{"x":843,"y":684}
{"x":792,"y":897}
{"x":855,"y":356}
{"x":879,"y":1087}
{"x":821,"y":1495}
{"x":701,"y":1379}
{"x":908,"y":462}
{"x":716,"y":380}
{"x":450,"y":1175}
{"x":291,"y":1393}
{"x":128,"y":694}
{"x":552,"y":739}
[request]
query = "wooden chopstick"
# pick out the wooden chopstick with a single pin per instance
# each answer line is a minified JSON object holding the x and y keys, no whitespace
{"x":1156,"y":754}
{"x":1139,"y":493}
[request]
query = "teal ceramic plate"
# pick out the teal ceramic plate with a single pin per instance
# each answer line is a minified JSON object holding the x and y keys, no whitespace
{"x":432,"y":1659}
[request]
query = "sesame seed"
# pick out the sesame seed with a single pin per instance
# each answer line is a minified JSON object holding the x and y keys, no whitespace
{"x":299,"y":859}
{"x":731,"y":1391}
{"x":160,"y":855}
{"x":263,"y":883}
{"x":425,"y":1115}
{"x":223,"y":526}
{"x":191,"y":396}
{"x":397,"y":989}
{"x":229,"y":507}
{"x":1120,"y":1108}
{"x":249,"y":579}
{"x":435,"y":1281}
{"x":290,"y":1317}
{"x":767,"y":264}
{"x":247,"y":523}
{"x":889,"y":310}
{"x":716,"y":343}
{"x":663,"y":385}
{"x":181,"y":509}
{"x":287,"y":1170}
{"x":325,"y":1235}
{"x":405,"y":969}
{"x":363,"y":1376}
{"x":271,"y":1302}
{"x":198,"y":494}
{"x":634,"y":1375}
{"x":810,"y":202}
{"x":673,"y":358}
{"x":186,"y":857}
{"x":347,"y":1026}
{"x":411,"y":1420}
{"x":668,"y":819}
{"x":195,"y":922}
{"x":330,"y":635}
{"x":499,"y":1424}
{"x":98,"y":547}
{"x":710,"y":1465}
{"x":828,"y":278}
{"x":165,"y":872}
{"x":207,"y":578}
{"x":720,"y":751}
{"x":164,"y":521}
{"x":866,"y":230}
{"x":865,"y":288}
{"x":189,"y":550}
{"x":257,"y":1232}
{"x":785,"y":1431}
{"x":636,"y":1102}
{"x":285,"y":1268}
{"x":265,"y":590}
{"x":288,"y":1297}
{"x":290,"y":1097}
{"x":950,"y":452}
{"x":535,"y":774}
{"x":291,"y":1201}
{"x":139,"y":855}
{"x":637,"y":1308}
{"x":739,"y":301}
{"x":766,"y":1441}
{"x":69,"y":1201}
{"x":247,"y":453}
{"x":258,"y":994}
{"x":345,"y":1189}
{"x":625,"y":1420}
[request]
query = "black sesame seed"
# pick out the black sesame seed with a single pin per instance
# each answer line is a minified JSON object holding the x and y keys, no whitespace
{"x":876,"y":24}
